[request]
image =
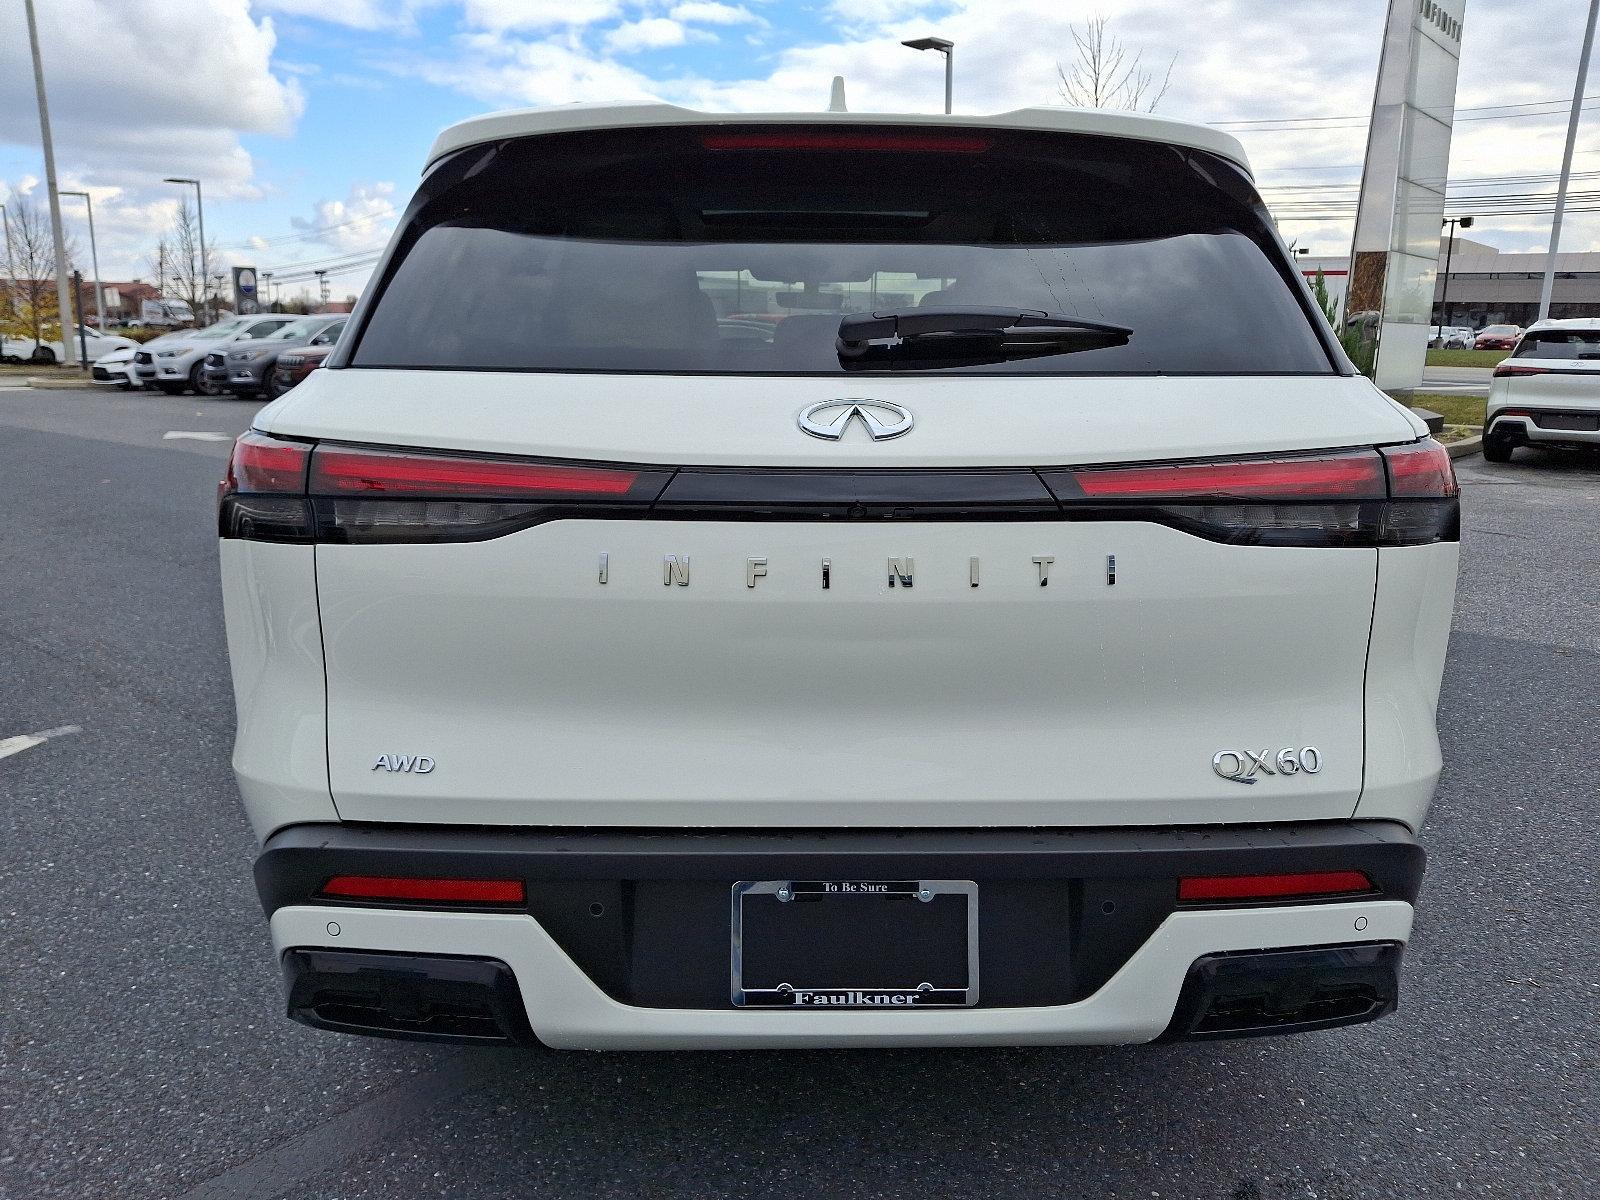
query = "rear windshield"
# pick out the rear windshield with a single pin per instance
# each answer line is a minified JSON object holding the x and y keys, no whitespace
{"x":1560,"y":343}
{"x":737,"y":251}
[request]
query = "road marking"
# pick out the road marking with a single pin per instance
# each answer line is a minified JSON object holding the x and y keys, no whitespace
{"x":195,"y":435}
{"x":27,"y":741}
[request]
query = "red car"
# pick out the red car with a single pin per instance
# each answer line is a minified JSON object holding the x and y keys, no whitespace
{"x":294,"y":365}
{"x":1497,"y":337}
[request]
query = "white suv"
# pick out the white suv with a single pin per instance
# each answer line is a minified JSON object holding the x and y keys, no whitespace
{"x":837,"y":580}
{"x":1548,"y":392}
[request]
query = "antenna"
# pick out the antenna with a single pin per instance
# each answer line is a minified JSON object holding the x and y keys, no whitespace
{"x":836,"y":97}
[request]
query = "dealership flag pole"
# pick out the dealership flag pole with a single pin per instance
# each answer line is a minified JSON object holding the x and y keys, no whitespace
{"x":1566,"y":163}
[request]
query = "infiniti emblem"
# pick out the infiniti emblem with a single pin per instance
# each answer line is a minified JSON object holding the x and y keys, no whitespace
{"x":831,"y":419}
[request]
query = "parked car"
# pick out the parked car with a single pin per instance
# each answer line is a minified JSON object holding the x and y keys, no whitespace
{"x":248,"y":370}
{"x":1548,"y":392}
{"x":1451,"y":337}
{"x":1040,"y":656}
{"x":178,"y":360}
{"x":116,"y":369}
{"x":50,"y":351}
{"x":1497,"y":337}
{"x":294,"y":365}
{"x":145,"y":357}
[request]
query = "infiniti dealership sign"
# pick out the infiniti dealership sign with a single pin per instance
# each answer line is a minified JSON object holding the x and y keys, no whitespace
{"x":1396,"y":254}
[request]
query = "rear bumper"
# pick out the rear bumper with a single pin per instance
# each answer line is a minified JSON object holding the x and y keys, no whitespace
{"x":624,"y":941}
{"x":1542,"y":427}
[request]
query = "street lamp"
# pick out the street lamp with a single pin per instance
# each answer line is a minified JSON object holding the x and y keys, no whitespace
{"x":1449,"y":252}
{"x":946,"y":48}
{"x":200,"y":213}
{"x":94,"y":262}
{"x":11,"y":279}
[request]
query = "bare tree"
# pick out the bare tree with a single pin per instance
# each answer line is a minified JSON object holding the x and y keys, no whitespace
{"x":1106,"y":75}
{"x":32,"y":312}
{"x":179,"y":250}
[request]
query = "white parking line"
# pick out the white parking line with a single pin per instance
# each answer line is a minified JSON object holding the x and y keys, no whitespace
{"x":27,"y":741}
{"x":195,"y":435}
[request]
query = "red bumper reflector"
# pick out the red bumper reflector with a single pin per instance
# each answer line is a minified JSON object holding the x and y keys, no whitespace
{"x":448,"y":891}
{"x":829,"y":140}
{"x":1272,"y":887}
{"x":336,"y":472}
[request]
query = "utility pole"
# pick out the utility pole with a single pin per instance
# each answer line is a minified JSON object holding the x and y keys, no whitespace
{"x":63,"y":298}
{"x":1449,"y":253}
{"x":161,"y":271}
{"x":1548,"y":290}
{"x":94,"y":262}
{"x":322,"y":285}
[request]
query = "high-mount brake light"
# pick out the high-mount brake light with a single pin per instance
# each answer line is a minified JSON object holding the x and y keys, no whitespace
{"x":939,"y":143}
{"x":336,"y":471}
{"x":1356,"y":476}
{"x":427,"y":891}
{"x":1305,"y":885}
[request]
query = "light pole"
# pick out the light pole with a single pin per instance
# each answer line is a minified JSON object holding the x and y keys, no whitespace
{"x":63,"y":298}
{"x":266,"y":286}
{"x":94,"y":262}
{"x":11,"y":279}
{"x":1449,"y":253}
{"x":946,"y":48}
{"x":200,"y":215}
{"x":1549,"y":287}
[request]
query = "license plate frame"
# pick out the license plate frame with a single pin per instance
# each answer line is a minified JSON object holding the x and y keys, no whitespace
{"x":938,"y":988}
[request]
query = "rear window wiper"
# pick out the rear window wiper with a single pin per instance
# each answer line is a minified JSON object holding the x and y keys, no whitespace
{"x":968,"y":333}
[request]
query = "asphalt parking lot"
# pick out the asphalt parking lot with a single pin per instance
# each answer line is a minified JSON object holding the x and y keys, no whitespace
{"x":143,"y":1052}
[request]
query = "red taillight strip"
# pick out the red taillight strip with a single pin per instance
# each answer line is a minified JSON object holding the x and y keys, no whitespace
{"x":342,"y":472}
{"x":1502,"y":370}
{"x":444,"y":891}
{"x":1212,"y":888}
{"x":1355,"y":476}
{"x":263,"y":464}
{"x":934,"y":142}
{"x":1422,"y":469}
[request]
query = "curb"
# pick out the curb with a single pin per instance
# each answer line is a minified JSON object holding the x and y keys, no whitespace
{"x":45,"y":385}
{"x":1472,"y":445}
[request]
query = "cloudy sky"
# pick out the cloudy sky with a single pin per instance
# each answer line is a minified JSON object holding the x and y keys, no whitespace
{"x":308,"y":119}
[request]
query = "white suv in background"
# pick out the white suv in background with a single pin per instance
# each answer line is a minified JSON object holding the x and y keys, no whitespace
{"x":1548,"y":392}
{"x":837,"y":580}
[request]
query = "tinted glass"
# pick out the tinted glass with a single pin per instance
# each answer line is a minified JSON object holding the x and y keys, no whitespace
{"x":1560,"y":343}
{"x":665,"y":250}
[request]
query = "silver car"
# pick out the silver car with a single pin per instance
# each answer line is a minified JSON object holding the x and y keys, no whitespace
{"x":247,"y":370}
{"x":178,"y":364}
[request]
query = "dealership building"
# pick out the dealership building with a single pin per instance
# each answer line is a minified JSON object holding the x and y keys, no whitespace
{"x":1489,"y":286}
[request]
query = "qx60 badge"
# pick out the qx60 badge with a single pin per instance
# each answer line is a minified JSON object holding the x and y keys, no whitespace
{"x":1242,"y":766}
{"x":831,"y":419}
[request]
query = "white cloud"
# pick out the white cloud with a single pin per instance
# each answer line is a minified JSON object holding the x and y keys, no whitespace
{"x":652,"y":33}
{"x":362,"y":221}
{"x":707,"y":12}
{"x":356,"y":14}
{"x":504,"y":15}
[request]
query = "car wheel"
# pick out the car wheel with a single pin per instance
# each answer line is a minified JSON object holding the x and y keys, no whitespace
{"x":1497,"y":448}
{"x":201,"y":385}
{"x":42,"y":355}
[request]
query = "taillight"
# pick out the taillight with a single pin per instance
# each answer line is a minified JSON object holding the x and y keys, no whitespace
{"x":424,"y":891}
{"x":1305,"y":885}
{"x":1356,"y":476}
{"x":1349,"y":498}
{"x":1509,"y":368}
{"x":355,"y":472}
{"x":262,"y":497}
{"x":829,"y":139}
